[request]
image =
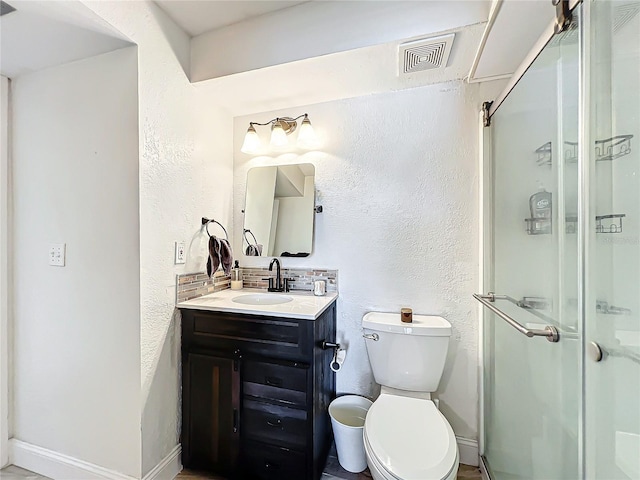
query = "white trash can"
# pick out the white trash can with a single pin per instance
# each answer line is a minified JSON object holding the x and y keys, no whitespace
{"x":347,"y":419}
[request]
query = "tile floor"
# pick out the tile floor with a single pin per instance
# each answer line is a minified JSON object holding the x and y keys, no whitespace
{"x":465,"y":472}
{"x":333,"y":471}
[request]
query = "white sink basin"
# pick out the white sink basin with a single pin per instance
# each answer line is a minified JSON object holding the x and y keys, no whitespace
{"x":262,"y":299}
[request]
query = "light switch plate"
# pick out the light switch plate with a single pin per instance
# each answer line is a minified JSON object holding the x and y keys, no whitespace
{"x":57,"y":254}
{"x":180,"y":253}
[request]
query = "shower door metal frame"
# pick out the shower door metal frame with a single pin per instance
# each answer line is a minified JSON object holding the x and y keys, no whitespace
{"x":485,"y":191}
{"x":486,"y":263}
{"x":542,"y":42}
{"x":584,"y":212}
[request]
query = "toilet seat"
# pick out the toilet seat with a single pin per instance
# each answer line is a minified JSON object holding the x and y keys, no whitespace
{"x":409,"y":438}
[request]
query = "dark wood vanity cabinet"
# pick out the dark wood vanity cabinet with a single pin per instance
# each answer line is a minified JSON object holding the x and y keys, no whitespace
{"x":255,"y":393}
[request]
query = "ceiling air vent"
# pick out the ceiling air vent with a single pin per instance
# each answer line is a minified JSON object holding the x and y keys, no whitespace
{"x":425,"y":54}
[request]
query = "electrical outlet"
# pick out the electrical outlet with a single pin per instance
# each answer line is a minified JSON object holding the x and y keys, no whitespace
{"x":180,"y":253}
{"x":57,"y":254}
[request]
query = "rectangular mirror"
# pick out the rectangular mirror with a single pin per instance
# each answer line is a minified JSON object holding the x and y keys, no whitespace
{"x":278,"y":212}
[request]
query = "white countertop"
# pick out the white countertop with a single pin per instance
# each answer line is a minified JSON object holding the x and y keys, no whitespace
{"x":304,"y":305}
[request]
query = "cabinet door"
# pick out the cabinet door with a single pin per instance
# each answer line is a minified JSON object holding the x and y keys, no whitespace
{"x":211,"y":402}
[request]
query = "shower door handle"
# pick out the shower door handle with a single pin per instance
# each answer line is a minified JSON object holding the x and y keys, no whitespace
{"x":550,"y":332}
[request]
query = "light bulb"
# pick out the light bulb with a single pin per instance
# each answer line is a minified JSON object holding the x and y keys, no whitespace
{"x":307,"y":137}
{"x":251,"y":142}
{"x":278,"y":135}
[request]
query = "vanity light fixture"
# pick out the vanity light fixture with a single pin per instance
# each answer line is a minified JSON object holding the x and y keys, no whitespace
{"x":281,"y":127}
{"x":251,"y":142}
{"x":278,"y":134}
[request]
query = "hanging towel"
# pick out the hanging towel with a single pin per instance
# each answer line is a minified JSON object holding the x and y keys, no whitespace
{"x":213,"y":261}
{"x":220,"y":253}
{"x":226,"y":256}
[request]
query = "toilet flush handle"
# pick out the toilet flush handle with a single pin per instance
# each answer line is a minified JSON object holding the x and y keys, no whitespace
{"x":371,"y":336}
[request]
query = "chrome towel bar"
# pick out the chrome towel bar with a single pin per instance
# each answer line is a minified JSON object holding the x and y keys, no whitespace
{"x":550,"y":332}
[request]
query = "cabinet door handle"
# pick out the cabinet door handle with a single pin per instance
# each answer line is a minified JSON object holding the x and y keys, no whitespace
{"x":273,"y":382}
{"x":277,"y":423}
{"x":235,"y":420}
{"x":271,"y":466}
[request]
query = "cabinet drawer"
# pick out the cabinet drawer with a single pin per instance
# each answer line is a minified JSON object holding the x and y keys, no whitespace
{"x":274,"y":381}
{"x":272,"y":463}
{"x":269,"y":336}
{"x":274,"y":424}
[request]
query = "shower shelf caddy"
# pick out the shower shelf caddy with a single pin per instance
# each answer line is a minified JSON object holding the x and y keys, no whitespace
{"x":539,"y":226}
{"x":605,"y":150}
{"x":611,"y":223}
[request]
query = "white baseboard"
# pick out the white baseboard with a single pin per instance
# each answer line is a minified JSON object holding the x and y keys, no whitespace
{"x":468,"y":450}
{"x":63,"y":467}
{"x":57,"y":465}
{"x":168,"y":468}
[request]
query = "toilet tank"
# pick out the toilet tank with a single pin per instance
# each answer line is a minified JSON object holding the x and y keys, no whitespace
{"x":407,"y":356}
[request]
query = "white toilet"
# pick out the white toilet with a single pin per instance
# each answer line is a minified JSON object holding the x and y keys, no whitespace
{"x":405,"y":435}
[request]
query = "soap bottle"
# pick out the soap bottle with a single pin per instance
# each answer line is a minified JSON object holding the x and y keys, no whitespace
{"x":540,"y":204}
{"x":236,"y":277}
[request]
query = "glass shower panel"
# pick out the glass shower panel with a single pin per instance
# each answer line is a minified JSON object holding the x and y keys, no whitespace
{"x":532,"y":386}
{"x":612,"y":323}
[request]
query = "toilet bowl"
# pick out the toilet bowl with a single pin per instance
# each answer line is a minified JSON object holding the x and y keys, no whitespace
{"x":405,"y":435}
{"x":409,"y":439}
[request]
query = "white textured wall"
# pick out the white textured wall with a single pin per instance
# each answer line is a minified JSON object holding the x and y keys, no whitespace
{"x":77,"y":332}
{"x":185,"y":173}
{"x":397,"y":177}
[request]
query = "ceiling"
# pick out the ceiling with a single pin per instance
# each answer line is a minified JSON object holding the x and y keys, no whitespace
{"x":517,"y":26}
{"x":42,"y":34}
{"x":197,"y":17}
{"x":353,"y":73}
{"x":45,"y":33}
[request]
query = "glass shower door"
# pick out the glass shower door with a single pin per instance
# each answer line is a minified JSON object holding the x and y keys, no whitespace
{"x":612,"y":314}
{"x":532,"y":386}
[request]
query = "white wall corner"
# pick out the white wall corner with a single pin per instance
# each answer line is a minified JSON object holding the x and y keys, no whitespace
{"x":168,"y":468}
{"x":468,"y":450}
{"x":5,"y":357}
{"x":57,"y":465}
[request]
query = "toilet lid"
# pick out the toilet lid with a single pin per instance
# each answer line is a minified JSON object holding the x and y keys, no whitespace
{"x":410,"y":437}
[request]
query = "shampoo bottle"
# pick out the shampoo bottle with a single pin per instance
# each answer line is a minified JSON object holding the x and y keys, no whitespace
{"x":540,"y":204}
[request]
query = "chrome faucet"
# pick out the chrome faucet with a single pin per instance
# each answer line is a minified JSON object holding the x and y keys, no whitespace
{"x":278,"y":287}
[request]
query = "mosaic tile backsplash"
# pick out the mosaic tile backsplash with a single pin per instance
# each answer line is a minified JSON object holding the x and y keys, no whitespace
{"x":194,"y":285}
{"x":302,"y":278}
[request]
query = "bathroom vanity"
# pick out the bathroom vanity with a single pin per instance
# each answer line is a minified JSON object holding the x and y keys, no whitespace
{"x":256,"y":385}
